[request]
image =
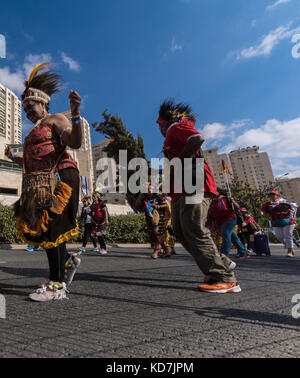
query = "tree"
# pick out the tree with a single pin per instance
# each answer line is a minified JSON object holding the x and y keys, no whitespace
{"x":121,"y":139}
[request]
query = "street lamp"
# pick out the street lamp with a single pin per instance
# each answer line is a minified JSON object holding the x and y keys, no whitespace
{"x":280,"y":177}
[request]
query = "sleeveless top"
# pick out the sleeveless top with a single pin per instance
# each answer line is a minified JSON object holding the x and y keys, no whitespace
{"x":42,"y":148}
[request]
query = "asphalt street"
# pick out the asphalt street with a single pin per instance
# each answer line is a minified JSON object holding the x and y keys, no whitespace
{"x":127,"y":305}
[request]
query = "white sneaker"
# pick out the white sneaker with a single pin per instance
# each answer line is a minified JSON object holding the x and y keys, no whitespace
{"x":49,"y":292}
{"x":103,"y":252}
{"x":231,"y":267}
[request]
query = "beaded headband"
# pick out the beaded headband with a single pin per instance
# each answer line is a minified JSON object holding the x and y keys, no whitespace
{"x":36,"y":95}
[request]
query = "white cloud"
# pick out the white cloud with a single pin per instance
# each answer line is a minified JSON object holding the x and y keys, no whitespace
{"x":278,"y":2}
{"x":295,"y":173}
{"x":213,"y":131}
{"x":73,"y":65}
{"x":12,"y":80}
{"x":15,"y":80}
{"x":280,"y":139}
{"x":31,"y":60}
{"x":175,"y":46}
{"x":268,"y":42}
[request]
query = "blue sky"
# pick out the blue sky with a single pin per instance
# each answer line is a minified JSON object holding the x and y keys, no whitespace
{"x":230,"y":59}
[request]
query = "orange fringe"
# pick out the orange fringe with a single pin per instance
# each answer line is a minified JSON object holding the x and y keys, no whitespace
{"x":63,"y":193}
{"x":22,"y":225}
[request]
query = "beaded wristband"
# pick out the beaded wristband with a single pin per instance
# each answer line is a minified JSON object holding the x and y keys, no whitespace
{"x":76,"y":122}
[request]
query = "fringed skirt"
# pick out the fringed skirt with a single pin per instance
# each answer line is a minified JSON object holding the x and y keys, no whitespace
{"x":55,"y":225}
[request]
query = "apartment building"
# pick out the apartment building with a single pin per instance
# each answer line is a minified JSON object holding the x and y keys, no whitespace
{"x":245,"y":164}
{"x":289,"y":189}
{"x":10,"y":133}
{"x":214,"y":160}
{"x":10,"y":117}
{"x":251,"y":166}
{"x":110,"y":198}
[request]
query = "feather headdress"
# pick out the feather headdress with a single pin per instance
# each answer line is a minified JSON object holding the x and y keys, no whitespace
{"x":36,"y":69}
{"x":170,"y":112}
{"x":40,"y":86}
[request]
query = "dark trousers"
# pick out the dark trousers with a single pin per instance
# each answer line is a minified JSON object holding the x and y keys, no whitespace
{"x":98,"y":226}
{"x":57,"y":258}
{"x":245,"y":239}
{"x":88,"y":228}
{"x":102,"y":242}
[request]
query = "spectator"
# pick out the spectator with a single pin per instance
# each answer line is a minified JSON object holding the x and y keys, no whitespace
{"x":86,"y":220}
{"x":247,"y":228}
{"x":99,"y":220}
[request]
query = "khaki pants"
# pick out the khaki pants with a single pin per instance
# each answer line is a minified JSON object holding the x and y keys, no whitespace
{"x":189,"y":228}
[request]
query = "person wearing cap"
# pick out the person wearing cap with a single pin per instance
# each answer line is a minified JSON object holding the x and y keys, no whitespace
{"x":282,"y":214}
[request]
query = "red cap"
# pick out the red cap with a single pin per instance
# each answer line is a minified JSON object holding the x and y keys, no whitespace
{"x":274,"y":192}
{"x":244,"y":209}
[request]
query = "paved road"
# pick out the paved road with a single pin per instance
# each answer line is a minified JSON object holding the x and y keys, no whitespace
{"x":128,"y":305}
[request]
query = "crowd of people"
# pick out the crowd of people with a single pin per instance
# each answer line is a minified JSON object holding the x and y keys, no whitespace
{"x":207,"y":229}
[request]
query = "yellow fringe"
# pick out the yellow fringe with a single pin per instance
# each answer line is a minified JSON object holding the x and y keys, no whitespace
{"x":61,"y":239}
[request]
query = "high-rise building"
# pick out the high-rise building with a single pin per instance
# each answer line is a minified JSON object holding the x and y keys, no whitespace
{"x":83,"y":155}
{"x":246,"y":164}
{"x":214,"y":160}
{"x":10,"y":117}
{"x":289,"y":189}
{"x":98,"y":153}
{"x":10,"y":133}
{"x":110,"y":198}
{"x":251,"y":166}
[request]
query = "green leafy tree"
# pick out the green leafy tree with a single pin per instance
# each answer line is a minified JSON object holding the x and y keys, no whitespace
{"x":121,"y":139}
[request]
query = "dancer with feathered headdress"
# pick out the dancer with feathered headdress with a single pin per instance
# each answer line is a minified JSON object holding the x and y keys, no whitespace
{"x":177,"y":125}
{"x":46,"y":211}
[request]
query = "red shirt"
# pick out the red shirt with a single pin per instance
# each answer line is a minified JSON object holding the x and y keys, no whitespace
{"x":220,"y":210}
{"x":177,"y":136}
{"x":98,"y":210}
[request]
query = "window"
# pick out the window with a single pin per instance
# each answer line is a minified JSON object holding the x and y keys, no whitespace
{"x":8,"y":191}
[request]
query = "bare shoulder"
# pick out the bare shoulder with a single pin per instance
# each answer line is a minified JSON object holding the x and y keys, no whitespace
{"x":58,"y":119}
